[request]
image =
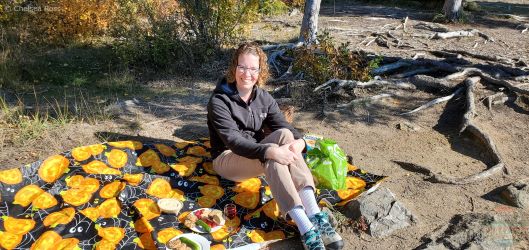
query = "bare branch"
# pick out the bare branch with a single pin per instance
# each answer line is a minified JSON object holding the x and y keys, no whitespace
{"x":434,"y":102}
{"x":461,"y":33}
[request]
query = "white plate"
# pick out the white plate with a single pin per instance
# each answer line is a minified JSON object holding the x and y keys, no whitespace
{"x":199,"y":239}
{"x":213,"y":229}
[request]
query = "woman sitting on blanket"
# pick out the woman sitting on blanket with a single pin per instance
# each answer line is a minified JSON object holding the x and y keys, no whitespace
{"x":237,"y":111}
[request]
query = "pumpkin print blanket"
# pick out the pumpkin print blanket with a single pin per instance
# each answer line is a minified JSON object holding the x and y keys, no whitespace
{"x":105,"y":196}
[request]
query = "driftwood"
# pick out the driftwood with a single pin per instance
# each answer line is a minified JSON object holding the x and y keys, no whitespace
{"x":461,"y":33}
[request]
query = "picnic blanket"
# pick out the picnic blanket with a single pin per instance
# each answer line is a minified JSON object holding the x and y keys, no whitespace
{"x":105,"y":195}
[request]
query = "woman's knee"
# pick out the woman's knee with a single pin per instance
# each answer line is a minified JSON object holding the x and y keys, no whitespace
{"x":285,"y":136}
{"x":276,"y":168}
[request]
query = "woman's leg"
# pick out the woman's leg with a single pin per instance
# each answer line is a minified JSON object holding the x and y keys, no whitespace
{"x":301,"y":189}
{"x":284,"y":183}
{"x":237,"y":168}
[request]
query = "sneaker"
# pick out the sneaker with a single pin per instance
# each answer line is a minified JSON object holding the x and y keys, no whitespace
{"x":312,"y":240}
{"x":330,"y":237}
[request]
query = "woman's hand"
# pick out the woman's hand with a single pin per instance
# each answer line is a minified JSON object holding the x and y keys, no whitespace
{"x":282,"y":155}
{"x":297,"y":146}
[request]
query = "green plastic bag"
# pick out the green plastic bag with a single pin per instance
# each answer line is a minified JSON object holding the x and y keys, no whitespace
{"x":328,"y":164}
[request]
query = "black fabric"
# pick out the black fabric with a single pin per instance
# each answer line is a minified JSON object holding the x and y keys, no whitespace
{"x":233,"y":124}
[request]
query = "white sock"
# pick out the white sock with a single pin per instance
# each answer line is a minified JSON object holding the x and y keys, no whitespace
{"x":309,"y":201}
{"x":302,"y":221}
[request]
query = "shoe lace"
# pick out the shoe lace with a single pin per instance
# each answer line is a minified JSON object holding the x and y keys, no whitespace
{"x":321,"y":217}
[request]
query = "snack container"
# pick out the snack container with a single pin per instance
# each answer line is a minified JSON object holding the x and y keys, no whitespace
{"x":170,"y":205}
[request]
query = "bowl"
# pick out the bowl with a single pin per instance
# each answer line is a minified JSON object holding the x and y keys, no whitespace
{"x":170,"y":205}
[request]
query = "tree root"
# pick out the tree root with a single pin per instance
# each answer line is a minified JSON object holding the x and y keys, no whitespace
{"x":335,"y":84}
{"x":439,"y":65}
{"x":478,"y":56}
{"x":466,"y":126}
{"x":477,"y":72}
{"x":429,"y":82}
{"x":434,"y":102}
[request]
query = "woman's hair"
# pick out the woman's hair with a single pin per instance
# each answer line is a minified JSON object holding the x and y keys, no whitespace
{"x":253,"y":49}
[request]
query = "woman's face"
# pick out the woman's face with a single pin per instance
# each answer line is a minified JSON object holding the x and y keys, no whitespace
{"x":247,"y":72}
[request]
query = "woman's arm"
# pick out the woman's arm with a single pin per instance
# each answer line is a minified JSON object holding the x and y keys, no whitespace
{"x":227,"y":129}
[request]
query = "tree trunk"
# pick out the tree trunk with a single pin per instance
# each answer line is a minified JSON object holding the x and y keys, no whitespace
{"x":309,"y":26}
{"x":452,"y":9}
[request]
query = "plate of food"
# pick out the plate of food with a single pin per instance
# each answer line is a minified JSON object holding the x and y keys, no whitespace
{"x":187,"y":241}
{"x":205,"y":220}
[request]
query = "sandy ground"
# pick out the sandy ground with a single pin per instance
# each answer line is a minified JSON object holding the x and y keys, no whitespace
{"x":368,"y":133}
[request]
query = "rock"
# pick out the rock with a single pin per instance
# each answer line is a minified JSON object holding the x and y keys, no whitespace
{"x":471,"y":231}
{"x":381,"y":211}
{"x":517,"y":193}
{"x":406,"y":126}
{"x":294,"y":12}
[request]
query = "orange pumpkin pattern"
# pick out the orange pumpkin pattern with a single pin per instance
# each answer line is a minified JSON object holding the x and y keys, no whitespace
{"x":9,"y":240}
{"x":251,"y":185}
{"x":84,"y":153}
{"x":91,"y":212}
{"x":165,"y":150}
{"x":148,"y":158}
{"x":166,"y":234}
{"x":133,"y":145}
{"x":68,"y":244}
{"x":133,"y":179}
{"x":61,"y":217}
{"x":208,"y":179}
{"x":213,"y":191}
{"x":148,"y":208}
{"x":111,"y":234}
{"x":18,"y":226}
{"x":247,"y":199}
{"x":117,"y":158}
{"x":11,"y":176}
{"x":27,"y":194}
{"x":112,"y":189}
{"x":108,"y":192}
{"x":159,"y":188}
{"x":53,"y":168}
{"x":109,"y":208}
{"x":44,"y":201}
{"x":47,"y":241}
{"x":142,"y":225}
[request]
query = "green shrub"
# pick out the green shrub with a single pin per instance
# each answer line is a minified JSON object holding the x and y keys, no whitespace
{"x":325,"y":60}
{"x":272,"y":7}
{"x":193,"y":32}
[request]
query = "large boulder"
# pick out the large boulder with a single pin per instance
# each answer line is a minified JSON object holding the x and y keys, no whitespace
{"x":471,"y":231}
{"x":382,"y":212}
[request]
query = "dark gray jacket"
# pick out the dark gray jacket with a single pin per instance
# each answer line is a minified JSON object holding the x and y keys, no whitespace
{"x":238,"y":126}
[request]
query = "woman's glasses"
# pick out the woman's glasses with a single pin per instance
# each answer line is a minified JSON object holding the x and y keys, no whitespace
{"x":253,"y":71}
